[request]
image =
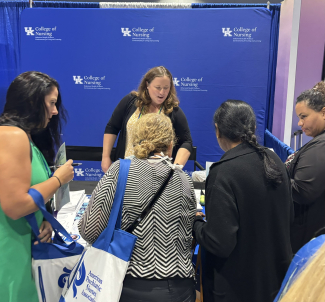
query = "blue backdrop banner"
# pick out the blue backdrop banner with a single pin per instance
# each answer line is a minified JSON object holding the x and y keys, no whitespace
{"x":99,"y":55}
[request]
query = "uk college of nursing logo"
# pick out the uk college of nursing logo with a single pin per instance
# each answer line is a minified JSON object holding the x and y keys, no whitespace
{"x":42,"y":33}
{"x":139,"y":34}
{"x":189,"y":84}
{"x":90,"y":174}
{"x":241,"y":34}
{"x":90,"y":82}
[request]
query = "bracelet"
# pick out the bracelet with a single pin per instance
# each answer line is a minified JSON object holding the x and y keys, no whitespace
{"x":58,"y":180}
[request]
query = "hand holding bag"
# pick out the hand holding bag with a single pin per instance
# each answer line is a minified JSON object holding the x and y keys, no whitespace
{"x":51,"y":262}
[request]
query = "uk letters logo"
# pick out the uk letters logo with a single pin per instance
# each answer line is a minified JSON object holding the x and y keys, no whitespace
{"x":79,"y":172}
{"x":227,"y":32}
{"x":176,"y":82}
{"x":77,"y":80}
{"x":90,"y":82}
{"x":29,"y":31}
{"x":125,"y":32}
{"x":42,"y":33}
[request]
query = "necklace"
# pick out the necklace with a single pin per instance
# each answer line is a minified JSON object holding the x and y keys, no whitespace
{"x":142,"y":111}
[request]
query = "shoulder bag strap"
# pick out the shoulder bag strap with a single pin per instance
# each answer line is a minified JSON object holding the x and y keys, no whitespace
{"x":145,"y":212}
{"x":115,"y":216}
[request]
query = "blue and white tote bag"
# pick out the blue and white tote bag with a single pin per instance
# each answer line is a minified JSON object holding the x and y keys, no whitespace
{"x":99,"y":275}
{"x":52,"y":263}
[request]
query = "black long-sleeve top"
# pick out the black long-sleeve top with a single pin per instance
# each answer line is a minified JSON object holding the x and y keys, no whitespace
{"x":246,"y":240}
{"x":124,"y":110}
{"x":307,"y":172}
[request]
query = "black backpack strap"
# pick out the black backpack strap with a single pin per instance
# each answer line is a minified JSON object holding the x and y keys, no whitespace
{"x":145,"y":212}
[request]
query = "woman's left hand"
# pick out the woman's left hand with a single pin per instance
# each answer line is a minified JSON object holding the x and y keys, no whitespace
{"x":45,"y":232}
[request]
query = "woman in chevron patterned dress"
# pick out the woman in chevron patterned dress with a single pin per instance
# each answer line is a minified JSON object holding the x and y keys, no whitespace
{"x":160,"y":268}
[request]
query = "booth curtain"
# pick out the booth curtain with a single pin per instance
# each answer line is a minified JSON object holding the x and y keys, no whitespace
{"x":274,"y":38}
{"x":10,"y":12}
{"x":10,"y":38}
{"x":9,"y":43}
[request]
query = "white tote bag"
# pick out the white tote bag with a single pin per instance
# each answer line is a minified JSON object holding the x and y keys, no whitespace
{"x":52,"y":263}
{"x":100,"y":272}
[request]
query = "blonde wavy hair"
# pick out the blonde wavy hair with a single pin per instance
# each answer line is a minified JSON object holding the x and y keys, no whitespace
{"x":309,"y":285}
{"x":153,"y":133}
{"x":143,"y":96}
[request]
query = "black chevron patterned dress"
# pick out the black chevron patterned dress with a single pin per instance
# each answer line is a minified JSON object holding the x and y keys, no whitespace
{"x":164,"y":236}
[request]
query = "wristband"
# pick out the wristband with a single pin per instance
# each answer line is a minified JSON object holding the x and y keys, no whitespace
{"x":58,"y":180}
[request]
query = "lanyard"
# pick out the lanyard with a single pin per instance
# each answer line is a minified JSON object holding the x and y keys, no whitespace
{"x":142,"y":110}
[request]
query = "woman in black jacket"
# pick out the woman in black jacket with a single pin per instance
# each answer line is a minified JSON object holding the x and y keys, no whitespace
{"x":156,"y":94}
{"x":307,"y":169}
{"x":245,"y":240}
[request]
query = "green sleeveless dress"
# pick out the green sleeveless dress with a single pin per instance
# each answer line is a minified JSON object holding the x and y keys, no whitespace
{"x":16,"y":281}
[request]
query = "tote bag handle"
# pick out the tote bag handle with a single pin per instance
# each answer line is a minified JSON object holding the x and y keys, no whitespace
{"x":57,"y":227}
{"x":115,"y":216}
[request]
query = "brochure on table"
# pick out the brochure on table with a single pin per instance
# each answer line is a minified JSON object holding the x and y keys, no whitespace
{"x":71,"y":213}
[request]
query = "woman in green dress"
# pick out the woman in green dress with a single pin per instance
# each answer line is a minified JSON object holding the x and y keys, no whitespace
{"x":30,"y":127}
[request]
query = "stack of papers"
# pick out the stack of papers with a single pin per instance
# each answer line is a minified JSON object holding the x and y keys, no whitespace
{"x":198,"y":195}
{"x":71,"y":213}
{"x":77,"y":198}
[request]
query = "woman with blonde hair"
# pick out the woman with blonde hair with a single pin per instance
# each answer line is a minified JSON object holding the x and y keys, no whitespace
{"x":160,"y":268}
{"x":308,"y":283}
{"x":156,"y":94}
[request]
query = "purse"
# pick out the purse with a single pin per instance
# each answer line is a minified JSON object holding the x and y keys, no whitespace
{"x":51,"y":262}
{"x":100,"y":272}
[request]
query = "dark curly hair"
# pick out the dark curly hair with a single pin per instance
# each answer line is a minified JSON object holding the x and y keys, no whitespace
{"x":314,"y":98}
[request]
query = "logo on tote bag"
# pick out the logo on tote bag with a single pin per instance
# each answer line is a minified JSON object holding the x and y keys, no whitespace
{"x":63,"y":278}
{"x":80,"y":278}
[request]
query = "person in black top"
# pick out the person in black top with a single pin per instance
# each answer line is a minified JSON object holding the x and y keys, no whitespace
{"x":307,"y":169}
{"x":156,"y":94}
{"x":245,"y":240}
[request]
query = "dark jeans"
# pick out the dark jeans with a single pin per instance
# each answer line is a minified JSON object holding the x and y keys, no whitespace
{"x":146,"y":290}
